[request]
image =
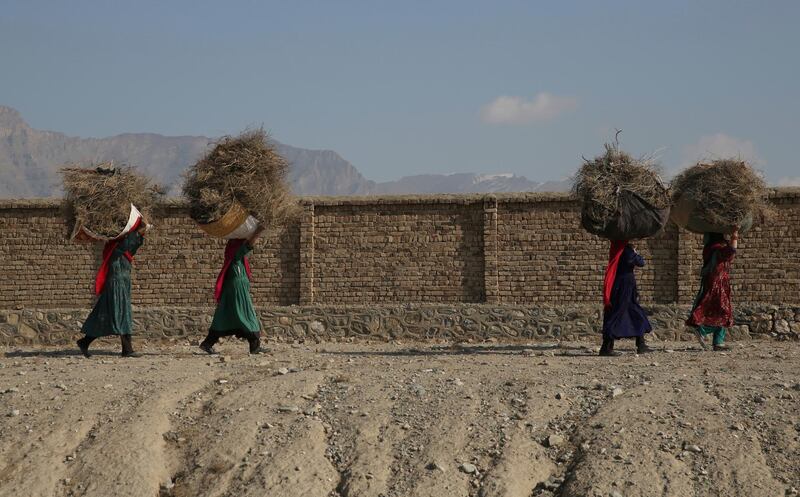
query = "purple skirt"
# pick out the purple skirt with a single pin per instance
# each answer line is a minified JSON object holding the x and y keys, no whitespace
{"x":625,"y":318}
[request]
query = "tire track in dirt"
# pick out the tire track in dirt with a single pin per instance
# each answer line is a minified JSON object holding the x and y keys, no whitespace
{"x":54,"y":432}
{"x":522,"y":466}
{"x":434,"y":433}
{"x":86,"y":398}
{"x":536,"y":451}
{"x":299,"y":468}
{"x":243,"y":430}
{"x":762,"y":413}
{"x":666,"y":440}
{"x":125,"y":456}
{"x":289,"y":456}
{"x":359,"y":429}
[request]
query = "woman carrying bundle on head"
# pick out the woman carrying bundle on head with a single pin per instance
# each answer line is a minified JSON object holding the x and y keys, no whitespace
{"x":236,"y":191}
{"x":623,"y":317}
{"x":622,"y":199}
{"x":235,"y":314}
{"x":712,"y":311}
{"x":717,"y":198}
{"x":112,"y":313}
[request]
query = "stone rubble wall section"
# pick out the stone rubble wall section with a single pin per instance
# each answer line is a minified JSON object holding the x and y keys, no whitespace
{"x":447,"y":323}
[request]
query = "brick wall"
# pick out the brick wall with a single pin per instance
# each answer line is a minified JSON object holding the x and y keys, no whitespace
{"x":545,"y":257}
{"x":525,"y":249}
{"x":398,"y":252}
{"x":177,"y":265}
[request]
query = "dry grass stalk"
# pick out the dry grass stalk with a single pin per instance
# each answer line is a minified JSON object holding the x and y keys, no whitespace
{"x":727,"y":192}
{"x":245,"y":168}
{"x":100,"y":197}
{"x":600,"y":180}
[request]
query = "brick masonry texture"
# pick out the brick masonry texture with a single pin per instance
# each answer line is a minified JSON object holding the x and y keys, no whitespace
{"x":379,"y":255}
{"x":398,"y":253}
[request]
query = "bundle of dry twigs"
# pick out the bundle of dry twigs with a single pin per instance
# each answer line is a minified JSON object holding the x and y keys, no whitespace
{"x":100,"y":197}
{"x":599,"y":182}
{"x":246,"y":169}
{"x":725,"y":193}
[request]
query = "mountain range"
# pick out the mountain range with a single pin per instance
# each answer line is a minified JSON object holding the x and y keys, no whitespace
{"x":30,"y":158}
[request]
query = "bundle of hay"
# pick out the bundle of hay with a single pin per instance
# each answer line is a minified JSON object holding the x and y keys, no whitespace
{"x":716,"y":196}
{"x":244,"y":170}
{"x":622,"y":198}
{"x":99,"y":197}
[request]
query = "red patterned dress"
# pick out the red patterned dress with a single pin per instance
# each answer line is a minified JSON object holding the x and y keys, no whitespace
{"x":712,"y":307}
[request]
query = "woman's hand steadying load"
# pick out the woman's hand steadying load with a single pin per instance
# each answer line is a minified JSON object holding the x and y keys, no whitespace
{"x":735,"y":237}
{"x":144,"y":227}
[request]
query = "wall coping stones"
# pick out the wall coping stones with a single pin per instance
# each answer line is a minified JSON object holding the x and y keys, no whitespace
{"x":365,"y":200}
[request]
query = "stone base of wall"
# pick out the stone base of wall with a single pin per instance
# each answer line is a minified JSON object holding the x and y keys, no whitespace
{"x":409,"y":322}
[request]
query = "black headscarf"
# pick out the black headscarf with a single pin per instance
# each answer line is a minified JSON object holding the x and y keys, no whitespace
{"x":712,"y":238}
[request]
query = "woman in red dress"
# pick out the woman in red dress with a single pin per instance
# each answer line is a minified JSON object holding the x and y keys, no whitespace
{"x":712,"y":311}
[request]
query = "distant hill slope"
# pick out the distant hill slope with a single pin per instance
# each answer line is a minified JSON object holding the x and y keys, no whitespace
{"x":458,"y":183}
{"x":30,"y":158}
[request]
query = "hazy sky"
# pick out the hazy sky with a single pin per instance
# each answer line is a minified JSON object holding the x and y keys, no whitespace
{"x":410,"y":87}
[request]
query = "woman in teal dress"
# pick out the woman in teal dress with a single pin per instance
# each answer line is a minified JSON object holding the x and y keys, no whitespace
{"x":112,"y":312}
{"x":235,"y":314}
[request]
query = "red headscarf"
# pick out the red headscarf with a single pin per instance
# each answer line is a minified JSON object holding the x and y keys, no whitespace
{"x":230,"y":251}
{"x":108,"y":250}
{"x":614,"y":254}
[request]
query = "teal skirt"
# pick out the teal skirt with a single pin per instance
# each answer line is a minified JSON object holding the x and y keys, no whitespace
{"x":112,"y":314}
{"x":235,"y":309}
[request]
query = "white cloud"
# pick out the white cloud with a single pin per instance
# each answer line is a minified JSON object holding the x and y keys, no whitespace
{"x":517,"y":110}
{"x":721,"y":146}
{"x":789,"y":181}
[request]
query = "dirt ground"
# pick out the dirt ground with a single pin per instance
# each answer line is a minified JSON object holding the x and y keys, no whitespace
{"x":360,"y":420}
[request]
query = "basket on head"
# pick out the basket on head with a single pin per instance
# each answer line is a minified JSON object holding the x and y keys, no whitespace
{"x":236,"y":223}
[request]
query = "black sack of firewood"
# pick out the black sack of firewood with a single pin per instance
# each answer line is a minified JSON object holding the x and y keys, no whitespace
{"x":633,"y":219}
{"x":622,"y":198}
{"x":241,"y":178}
{"x":719,"y":196}
{"x":100,"y":201}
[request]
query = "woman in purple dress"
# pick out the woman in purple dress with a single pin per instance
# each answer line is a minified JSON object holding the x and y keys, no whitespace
{"x":623,"y":317}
